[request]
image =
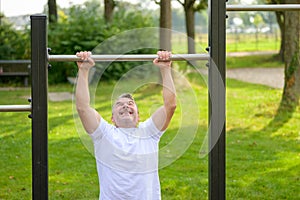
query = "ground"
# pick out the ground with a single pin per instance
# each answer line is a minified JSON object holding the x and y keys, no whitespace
{"x":273,"y":77}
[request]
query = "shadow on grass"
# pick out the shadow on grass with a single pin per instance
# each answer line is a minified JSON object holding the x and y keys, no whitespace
{"x":284,"y":180}
{"x":283,"y":115}
{"x":260,"y":166}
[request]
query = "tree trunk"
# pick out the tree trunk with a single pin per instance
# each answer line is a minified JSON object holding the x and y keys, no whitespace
{"x":190,"y":24}
{"x":291,"y":92}
{"x":109,"y":6}
{"x":165,"y":25}
{"x":280,"y":21}
{"x":52,"y":11}
{"x":190,"y":28}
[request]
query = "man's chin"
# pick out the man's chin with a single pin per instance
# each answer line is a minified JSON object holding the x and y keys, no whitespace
{"x":127,"y":123}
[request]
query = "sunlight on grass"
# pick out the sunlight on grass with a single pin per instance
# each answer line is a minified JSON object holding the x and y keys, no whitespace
{"x":253,"y":61}
{"x":234,"y":43}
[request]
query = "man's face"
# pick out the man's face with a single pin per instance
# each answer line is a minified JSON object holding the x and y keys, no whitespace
{"x":125,"y":113}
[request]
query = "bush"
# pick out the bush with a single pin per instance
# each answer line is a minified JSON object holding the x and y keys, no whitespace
{"x":82,"y":27}
{"x":14,"y":44}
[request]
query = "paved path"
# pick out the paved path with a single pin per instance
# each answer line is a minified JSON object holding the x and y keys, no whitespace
{"x":247,"y":53}
{"x":273,"y":77}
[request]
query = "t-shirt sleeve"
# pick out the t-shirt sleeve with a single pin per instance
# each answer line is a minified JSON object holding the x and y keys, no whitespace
{"x":151,"y":129}
{"x":103,"y":128}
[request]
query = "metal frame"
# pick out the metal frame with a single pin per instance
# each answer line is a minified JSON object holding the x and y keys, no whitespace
{"x":15,"y":108}
{"x":15,"y":62}
{"x":267,"y":7}
{"x":24,"y":74}
{"x":39,"y":93}
{"x":217,"y":106}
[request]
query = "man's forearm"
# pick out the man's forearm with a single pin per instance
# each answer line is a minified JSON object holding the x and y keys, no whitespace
{"x":89,"y":117}
{"x":169,"y":92}
{"x":82,"y":90}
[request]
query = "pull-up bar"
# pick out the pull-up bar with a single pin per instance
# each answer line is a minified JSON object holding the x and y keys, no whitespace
{"x":15,"y":108}
{"x":128,"y":57}
{"x":267,"y":7}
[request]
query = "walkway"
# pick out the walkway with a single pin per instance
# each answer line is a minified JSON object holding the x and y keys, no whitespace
{"x":273,"y":77}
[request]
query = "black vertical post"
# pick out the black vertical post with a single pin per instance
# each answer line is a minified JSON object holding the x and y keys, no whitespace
{"x":39,"y":95}
{"x":217,"y":15}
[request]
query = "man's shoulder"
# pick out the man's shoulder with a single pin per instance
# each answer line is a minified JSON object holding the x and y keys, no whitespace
{"x":147,"y":122}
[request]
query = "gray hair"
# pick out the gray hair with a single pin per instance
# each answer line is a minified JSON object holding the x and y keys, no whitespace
{"x":124,"y":95}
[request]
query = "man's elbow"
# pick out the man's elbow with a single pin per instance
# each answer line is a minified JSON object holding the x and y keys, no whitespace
{"x":81,"y":108}
{"x":171,"y":107}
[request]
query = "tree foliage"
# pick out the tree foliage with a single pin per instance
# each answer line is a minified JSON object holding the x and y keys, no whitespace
{"x":83,"y":27}
{"x":14,"y":44}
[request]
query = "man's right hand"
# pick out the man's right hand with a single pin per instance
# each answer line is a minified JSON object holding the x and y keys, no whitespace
{"x":86,"y":62}
{"x":163,"y":59}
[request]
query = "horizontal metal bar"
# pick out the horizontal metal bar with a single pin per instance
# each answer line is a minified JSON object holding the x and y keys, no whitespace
{"x":266,"y":7}
{"x":15,"y":61}
{"x":15,"y":108}
{"x":14,"y":74}
{"x":127,"y":57}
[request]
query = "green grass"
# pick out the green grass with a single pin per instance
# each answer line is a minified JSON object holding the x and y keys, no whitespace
{"x":254,"y":61}
{"x":234,"y":43}
{"x":249,"y":42}
{"x":262,"y":154}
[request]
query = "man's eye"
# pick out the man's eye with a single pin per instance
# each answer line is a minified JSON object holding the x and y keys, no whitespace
{"x":130,"y":102}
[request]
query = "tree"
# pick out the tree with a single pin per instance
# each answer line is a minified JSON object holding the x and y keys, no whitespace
{"x":109,"y":6}
{"x":52,"y":9}
{"x":72,"y":34}
{"x":165,"y":25}
{"x":14,"y":44}
{"x":291,"y":92}
{"x":280,"y":21}
{"x":190,"y":7}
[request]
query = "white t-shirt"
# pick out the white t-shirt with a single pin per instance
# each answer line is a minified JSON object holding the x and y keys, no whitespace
{"x":127,"y":161}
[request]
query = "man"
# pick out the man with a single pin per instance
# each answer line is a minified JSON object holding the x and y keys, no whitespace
{"x":126,"y":152}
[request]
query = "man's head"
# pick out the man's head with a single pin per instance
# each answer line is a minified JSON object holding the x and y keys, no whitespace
{"x":125,"y":112}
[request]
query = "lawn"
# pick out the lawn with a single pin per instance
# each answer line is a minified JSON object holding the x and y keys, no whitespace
{"x":234,"y":42}
{"x":253,"y":61}
{"x":262,"y":160}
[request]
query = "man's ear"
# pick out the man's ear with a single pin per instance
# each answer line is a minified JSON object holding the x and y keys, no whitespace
{"x":112,"y":119}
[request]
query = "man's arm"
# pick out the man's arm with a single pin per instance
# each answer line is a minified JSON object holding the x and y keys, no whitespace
{"x":163,"y":115}
{"x":90,"y":118}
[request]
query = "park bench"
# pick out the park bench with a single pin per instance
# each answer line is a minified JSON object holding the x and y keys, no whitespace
{"x":15,"y":68}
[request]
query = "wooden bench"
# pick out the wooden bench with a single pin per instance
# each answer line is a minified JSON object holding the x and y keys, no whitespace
{"x":15,"y":68}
